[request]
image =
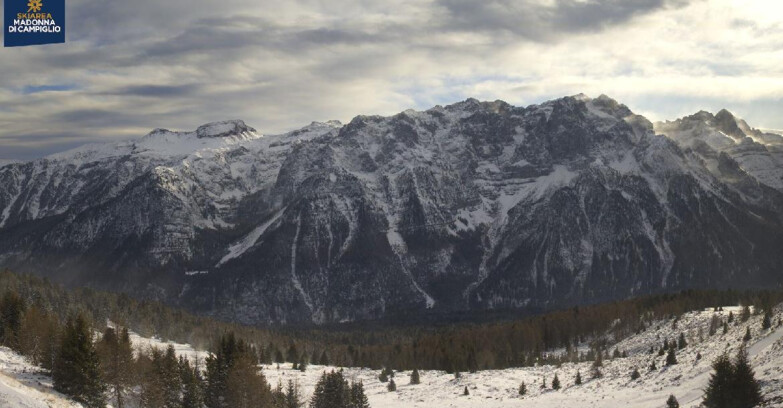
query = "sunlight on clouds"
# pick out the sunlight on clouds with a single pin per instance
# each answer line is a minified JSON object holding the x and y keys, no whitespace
{"x":280,"y":66}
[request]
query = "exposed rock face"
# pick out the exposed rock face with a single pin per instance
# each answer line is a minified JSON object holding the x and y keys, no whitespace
{"x":471,"y":206}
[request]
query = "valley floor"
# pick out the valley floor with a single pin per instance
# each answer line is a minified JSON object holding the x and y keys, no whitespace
{"x":22,"y":386}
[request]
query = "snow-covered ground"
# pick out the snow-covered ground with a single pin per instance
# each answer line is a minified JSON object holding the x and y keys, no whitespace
{"x":499,"y":388}
{"x":22,"y":385}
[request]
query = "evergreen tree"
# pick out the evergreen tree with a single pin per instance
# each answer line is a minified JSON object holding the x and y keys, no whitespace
{"x":745,"y":314}
{"x":392,"y":385}
{"x":116,"y":356}
{"x":39,"y":337}
{"x":466,"y":392}
{"x":358,"y":398}
{"x":153,"y":392}
{"x":12,"y":308}
{"x":681,"y":344}
{"x":719,"y":392}
{"x":653,"y":367}
{"x":555,"y":383}
{"x":597,"y":364}
{"x":766,"y":323}
{"x":672,"y":402}
{"x":170,"y":378}
{"x":246,"y":386}
{"x":293,"y":397}
{"x":232,"y":378}
{"x":303,"y":363}
{"x":578,"y":380}
{"x":324,"y":360}
{"x":671,"y":357}
{"x":77,"y":370}
{"x":714,"y":322}
{"x":635,"y":374}
{"x":747,"y":336}
{"x":383,"y":376}
{"x":522,"y":389}
{"x":472,"y":362}
{"x":731,"y":317}
{"x":745,"y":387}
{"x":293,"y":355}
{"x":415,"y":377}
{"x":331,"y":391}
{"x":725,"y":327}
{"x":192,"y":385}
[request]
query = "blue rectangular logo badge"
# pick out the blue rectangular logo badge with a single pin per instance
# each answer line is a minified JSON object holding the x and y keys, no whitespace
{"x":33,"y":22}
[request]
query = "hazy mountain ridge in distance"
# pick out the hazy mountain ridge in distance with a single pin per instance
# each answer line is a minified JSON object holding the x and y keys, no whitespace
{"x":475,"y":205}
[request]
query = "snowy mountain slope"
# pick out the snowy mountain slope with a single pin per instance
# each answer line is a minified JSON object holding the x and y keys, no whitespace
{"x":23,"y":386}
{"x":20,"y":385}
{"x":471,"y":206}
{"x":758,"y":153}
{"x":499,"y":388}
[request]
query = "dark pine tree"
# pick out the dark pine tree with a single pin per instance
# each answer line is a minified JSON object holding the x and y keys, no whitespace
{"x":747,"y":336}
{"x":392,"y":385}
{"x":77,"y":370}
{"x":635,"y":374}
{"x":170,"y":378}
{"x":766,"y":323}
{"x":303,"y":363}
{"x":671,"y":357}
{"x":192,"y":385}
{"x":324,"y":360}
{"x":415,"y":377}
{"x":116,"y":356}
{"x":12,"y":308}
{"x":681,"y":343}
{"x":653,"y":367}
{"x":719,"y":392}
{"x":358,"y":398}
{"x":672,"y":402}
{"x":745,"y":387}
{"x":555,"y":383}
{"x":578,"y":380}
{"x":522,"y":389}
{"x":466,"y":392}
{"x":292,"y":397}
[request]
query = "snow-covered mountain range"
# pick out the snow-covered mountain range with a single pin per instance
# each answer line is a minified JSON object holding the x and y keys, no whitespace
{"x":475,"y":205}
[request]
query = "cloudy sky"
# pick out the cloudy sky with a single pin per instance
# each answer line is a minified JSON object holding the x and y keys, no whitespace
{"x":130,"y":66}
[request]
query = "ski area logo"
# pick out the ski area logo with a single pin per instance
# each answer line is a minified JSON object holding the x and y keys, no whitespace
{"x":35,"y":5}
{"x":31,"y":22}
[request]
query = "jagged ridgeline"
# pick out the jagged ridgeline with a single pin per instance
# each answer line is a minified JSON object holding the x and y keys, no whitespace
{"x":26,"y":299}
{"x":474,"y":206}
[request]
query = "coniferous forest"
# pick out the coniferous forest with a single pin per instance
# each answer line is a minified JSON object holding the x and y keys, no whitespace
{"x":56,"y":329}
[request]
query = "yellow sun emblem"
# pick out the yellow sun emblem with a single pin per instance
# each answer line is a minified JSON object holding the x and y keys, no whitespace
{"x":35,"y":5}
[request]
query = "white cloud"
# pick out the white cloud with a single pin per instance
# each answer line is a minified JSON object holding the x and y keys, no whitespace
{"x":132,"y":66}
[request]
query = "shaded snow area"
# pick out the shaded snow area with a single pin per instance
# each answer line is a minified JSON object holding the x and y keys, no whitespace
{"x":499,"y":388}
{"x":22,"y":385}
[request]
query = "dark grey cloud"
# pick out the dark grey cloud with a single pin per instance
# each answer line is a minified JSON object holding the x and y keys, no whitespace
{"x":534,"y":20}
{"x":91,"y":118}
{"x":130,"y":66}
{"x":156,"y":91}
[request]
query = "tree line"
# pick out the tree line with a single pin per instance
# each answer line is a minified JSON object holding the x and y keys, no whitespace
{"x":516,"y":342}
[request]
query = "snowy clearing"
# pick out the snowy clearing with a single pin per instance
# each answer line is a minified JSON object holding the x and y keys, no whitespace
{"x":22,"y":385}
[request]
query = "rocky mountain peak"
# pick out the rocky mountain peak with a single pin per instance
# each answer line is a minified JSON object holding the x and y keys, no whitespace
{"x":223,"y":129}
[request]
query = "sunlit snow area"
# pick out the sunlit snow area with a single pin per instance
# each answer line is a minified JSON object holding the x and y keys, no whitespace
{"x":23,"y":385}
